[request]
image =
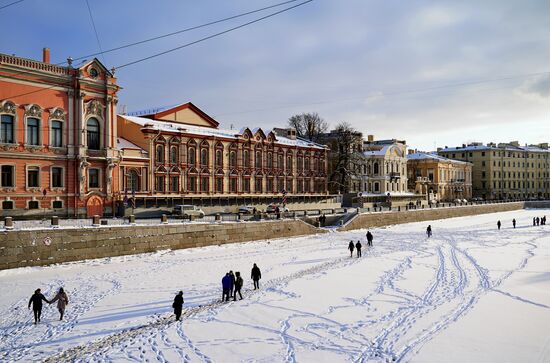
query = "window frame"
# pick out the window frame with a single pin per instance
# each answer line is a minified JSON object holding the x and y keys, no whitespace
{"x":62,"y":176}
{"x":34,"y":168}
{"x":98,"y":178}
{"x":13,"y":128}
{"x":98,"y":134}
{"x":52,"y":134}
{"x":13,"y":176}
{"x":28,"y":134}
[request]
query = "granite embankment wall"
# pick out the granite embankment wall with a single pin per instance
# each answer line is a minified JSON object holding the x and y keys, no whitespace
{"x":26,"y":247}
{"x":380,"y":219}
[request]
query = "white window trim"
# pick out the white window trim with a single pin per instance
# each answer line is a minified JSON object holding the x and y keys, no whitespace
{"x":99,"y":174}
{"x":14,"y":126}
{"x":40,"y":136}
{"x":50,"y":128}
{"x":27,"y":167}
{"x":62,"y":177}
{"x":101,"y":132}
{"x":13,"y":175}
{"x":7,"y":200}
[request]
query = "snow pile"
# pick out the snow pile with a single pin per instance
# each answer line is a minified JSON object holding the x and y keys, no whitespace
{"x":469,"y":293}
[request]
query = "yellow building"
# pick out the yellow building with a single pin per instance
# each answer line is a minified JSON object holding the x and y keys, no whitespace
{"x":441,"y":179}
{"x":506,"y":170}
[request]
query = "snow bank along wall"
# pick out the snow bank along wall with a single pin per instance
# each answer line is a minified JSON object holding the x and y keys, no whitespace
{"x":30,"y":247}
{"x":370,"y":220}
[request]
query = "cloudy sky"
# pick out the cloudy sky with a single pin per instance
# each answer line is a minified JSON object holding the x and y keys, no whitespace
{"x":434,"y":73}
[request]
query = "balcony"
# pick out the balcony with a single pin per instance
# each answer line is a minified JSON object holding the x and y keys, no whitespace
{"x":394,"y":176}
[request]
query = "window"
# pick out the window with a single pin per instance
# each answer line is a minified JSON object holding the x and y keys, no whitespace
{"x":57,"y":132}
{"x":7,"y":204}
{"x":258,"y":159}
{"x":232,"y":159}
{"x":33,"y":204}
{"x":246,"y":158}
{"x":280,"y":162}
{"x":174,"y":155}
{"x":376,"y":187}
{"x":6,"y":129}
{"x":246,"y":185}
{"x":57,"y":177}
{"x":93,"y":178}
{"x":219,"y":158}
{"x":159,"y":183}
{"x":219,"y":185}
{"x":174,"y":183}
{"x":159,"y":154}
{"x":270,"y":160}
{"x":192,"y":183}
{"x":92,"y":132}
{"x":376,"y":169}
{"x":191,"y":157}
{"x":32,"y":131}
{"x":204,"y":157}
{"x":8,"y":176}
{"x":132,"y":181}
{"x":33,"y":177}
{"x":233,"y":185}
{"x":258,"y":185}
{"x":57,"y":204}
{"x":270,"y":187}
{"x":204,"y":184}
{"x":306,"y":164}
{"x":289,"y":164}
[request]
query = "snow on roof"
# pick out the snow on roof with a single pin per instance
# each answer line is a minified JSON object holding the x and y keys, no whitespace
{"x":507,"y":147}
{"x":376,"y":151}
{"x":153,"y":110}
{"x":424,"y":156}
{"x":208,"y":131}
{"x":122,"y":143}
{"x":468,"y":148}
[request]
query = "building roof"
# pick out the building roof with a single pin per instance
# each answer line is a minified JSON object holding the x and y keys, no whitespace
{"x":506,"y":147}
{"x":213,"y":132}
{"x":159,"y":113}
{"x":432,"y":156}
{"x":122,"y":143}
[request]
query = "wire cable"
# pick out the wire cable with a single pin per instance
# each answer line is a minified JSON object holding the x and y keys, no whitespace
{"x":95,"y":31}
{"x":10,"y":4}
{"x":212,"y":36}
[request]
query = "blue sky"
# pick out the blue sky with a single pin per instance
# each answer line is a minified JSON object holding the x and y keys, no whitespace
{"x":390,"y":68}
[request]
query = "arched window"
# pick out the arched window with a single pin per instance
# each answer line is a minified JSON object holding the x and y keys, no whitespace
{"x":191,"y":157}
{"x":6,"y":129}
{"x":289,"y":163}
{"x":258,"y":159}
{"x":33,"y":129}
{"x":306,"y":164}
{"x":219,"y":158}
{"x":232,"y":159}
{"x":174,"y":155}
{"x":204,"y":157}
{"x":159,"y":154}
{"x":92,"y":132}
{"x":246,"y":158}
{"x":281,"y":161}
{"x":376,"y":169}
{"x":270,"y":160}
{"x":132,"y":182}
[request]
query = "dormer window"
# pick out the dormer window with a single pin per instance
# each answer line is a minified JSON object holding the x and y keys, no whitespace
{"x":94,"y":73}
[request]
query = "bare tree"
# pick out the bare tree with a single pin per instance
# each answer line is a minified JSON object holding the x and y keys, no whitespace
{"x":308,"y":125}
{"x":346,"y":146}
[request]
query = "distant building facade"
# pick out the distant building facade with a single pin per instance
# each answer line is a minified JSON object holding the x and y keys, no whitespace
{"x":441,"y":179}
{"x":506,"y":170}
{"x":57,"y":138}
{"x":182,"y":153}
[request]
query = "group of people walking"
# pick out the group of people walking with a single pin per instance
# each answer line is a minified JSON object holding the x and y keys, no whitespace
{"x":232,"y":284}
{"x":36,"y":302}
{"x":358,"y":246}
{"x":536,"y":222}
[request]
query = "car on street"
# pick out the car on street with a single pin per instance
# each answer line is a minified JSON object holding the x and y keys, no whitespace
{"x":187,"y":211}
{"x":272,"y":208}
{"x":247,"y":209}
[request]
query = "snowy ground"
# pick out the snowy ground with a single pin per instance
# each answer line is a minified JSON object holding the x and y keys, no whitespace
{"x":469,"y":294}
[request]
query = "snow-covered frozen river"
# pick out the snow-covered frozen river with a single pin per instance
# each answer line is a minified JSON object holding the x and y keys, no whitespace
{"x":470,"y":293}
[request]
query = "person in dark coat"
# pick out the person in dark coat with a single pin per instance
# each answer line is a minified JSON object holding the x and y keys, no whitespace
{"x":178,"y":305}
{"x":351,"y":246}
{"x":429,"y":231}
{"x":369,"y":239}
{"x":238,"y":286}
{"x":256,"y":275}
{"x":232,"y":289}
{"x":36,"y":301}
{"x":514,"y":222}
{"x":358,"y":247}
{"x":498,"y":225}
{"x":226,"y":287}
{"x":278,"y":212}
{"x":534,"y":221}
{"x":538,"y":221}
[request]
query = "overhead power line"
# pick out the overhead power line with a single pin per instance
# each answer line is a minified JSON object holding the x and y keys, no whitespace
{"x":186,"y":30}
{"x":10,"y":4}
{"x":95,"y":30}
{"x":212,"y":36}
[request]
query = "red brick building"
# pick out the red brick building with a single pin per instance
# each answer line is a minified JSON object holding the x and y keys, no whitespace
{"x":57,"y":138}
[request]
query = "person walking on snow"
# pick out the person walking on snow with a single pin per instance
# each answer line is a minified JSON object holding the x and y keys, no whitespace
{"x":498,"y":225}
{"x":534,"y":221}
{"x":36,"y":301}
{"x":538,"y":221}
{"x":256,"y":275}
{"x":231,"y":291}
{"x":62,"y":302}
{"x":226,"y":287}
{"x":238,"y":286}
{"x":514,"y":222}
{"x":369,"y":239}
{"x":358,"y":247}
{"x":351,"y":246}
{"x":429,"y":231}
{"x":178,"y":305}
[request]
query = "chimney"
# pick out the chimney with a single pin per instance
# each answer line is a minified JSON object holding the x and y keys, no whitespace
{"x":411,"y":151}
{"x":291,"y":133}
{"x":370,"y":138}
{"x":46,"y":55}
